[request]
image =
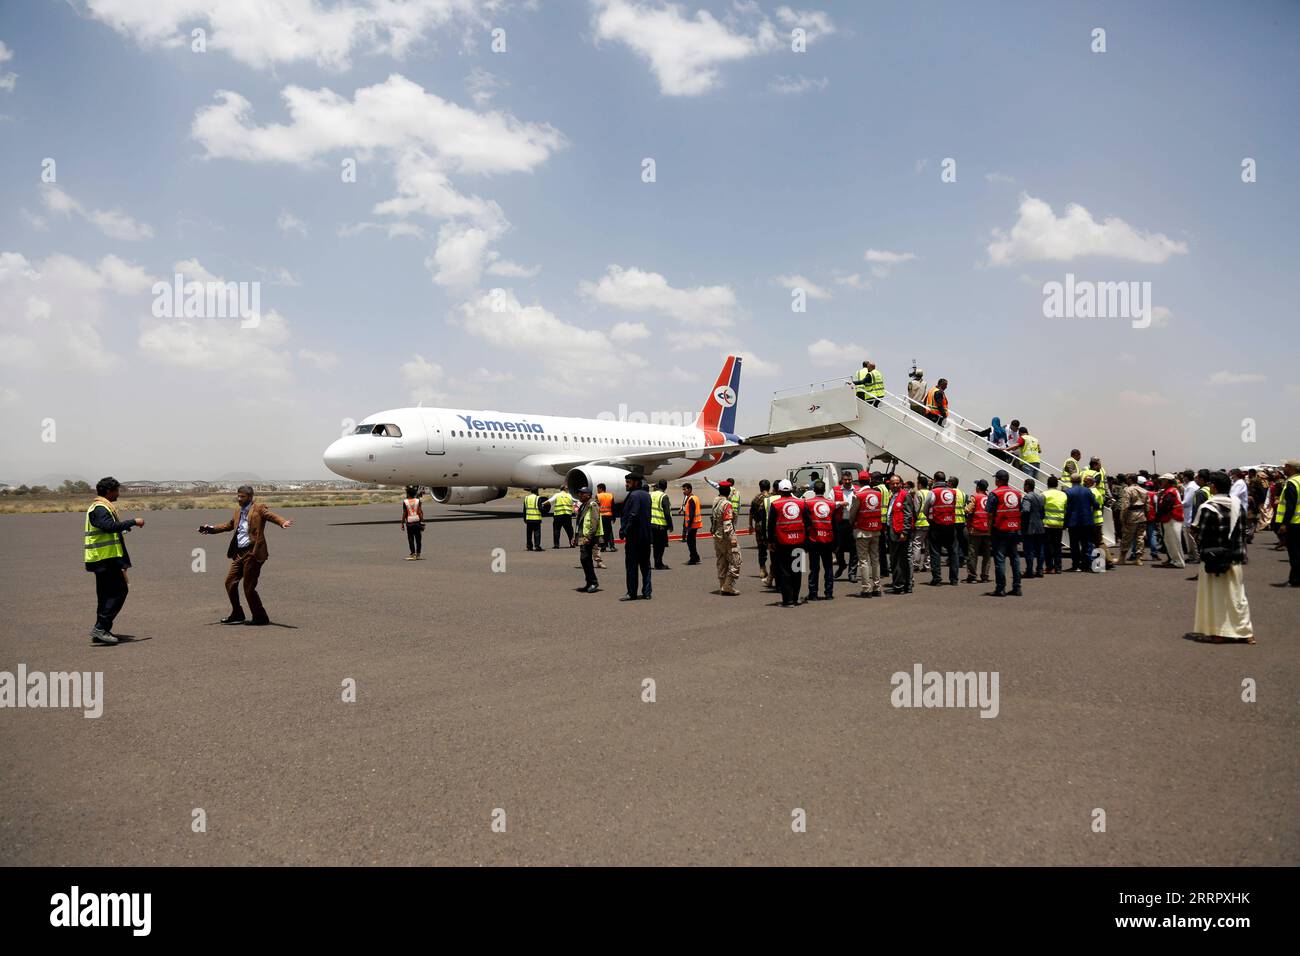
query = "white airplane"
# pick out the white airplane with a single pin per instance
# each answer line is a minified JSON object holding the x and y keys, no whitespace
{"x":470,"y":456}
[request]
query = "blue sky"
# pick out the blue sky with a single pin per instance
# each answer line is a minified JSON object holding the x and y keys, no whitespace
{"x":521,"y":171}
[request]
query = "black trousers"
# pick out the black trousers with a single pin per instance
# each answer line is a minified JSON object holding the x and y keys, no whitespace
{"x":900,"y":554}
{"x":943,"y":536}
{"x":886,"y":549}
{"x":585,"y":555}
{"x":1080,"y":548}
{"x":689,"y":537}
{"x":110,"y":595}
{"x":607,"y":521}
{"x":660,"y":538}
{"x":1293,"y":552}
{"x":821,"y":558}
{"x":565,"y":522}
{"x":636,"y":558}
{"x":790,"y":559}
{"x":533,"y":535}
{"x":1053,"y":548}
{"x":1005,"y":545}
{"x":414,"y":533}
{"x":761,"y":541}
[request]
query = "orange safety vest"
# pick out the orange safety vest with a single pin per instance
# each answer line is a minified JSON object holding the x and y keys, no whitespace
{"x":412,"y":509}
{"x":697,"y":521}
{"x":606,"y":500}
{"x":932,"y":404}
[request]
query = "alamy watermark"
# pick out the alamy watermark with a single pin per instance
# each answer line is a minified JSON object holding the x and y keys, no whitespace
{"x":1084,"y":299}
{"x":213,"y":299}
{"x":63,"y":689}
{"x":923,"y":688}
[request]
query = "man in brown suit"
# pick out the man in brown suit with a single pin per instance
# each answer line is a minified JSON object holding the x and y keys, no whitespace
{"x":247,"y":553}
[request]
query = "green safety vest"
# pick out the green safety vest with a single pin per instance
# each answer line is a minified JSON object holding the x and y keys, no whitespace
{"x":102,"y":545}
{"x":1031,"y":453}
{"x":532,"y":508}
{"x":1098,"y":478}
{"x":735,"y":502}
{"x":961,"y":507}
{"x":1278,"y":514}
{"x":591,"y":525}
{"x":885,"y":496}
{"x":563,"y":504}
{"x":869,"y":383}
{"x":1070,"y":466}
{"x":1101,"y":501}
{"x":657,"y":516}
{"x":921,"y":498}
{"x":1054,"y":510}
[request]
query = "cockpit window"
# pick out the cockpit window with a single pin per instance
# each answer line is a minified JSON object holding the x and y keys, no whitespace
{"x":389,"y":431}
{"x":364,"y":429}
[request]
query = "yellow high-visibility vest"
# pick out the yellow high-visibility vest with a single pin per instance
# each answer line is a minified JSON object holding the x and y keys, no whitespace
{"x":102,"y":545}
{"x":532,"y":508}
{"x":563,"y":504}
{"x":1031,"y":453}
{"x":1054,"y":509}
{"x":921,"y":498}
{"x":657,"y":516}
{"x":1294,"y":482}
{"x":1100,"y":506}
{"x":961,"y":506}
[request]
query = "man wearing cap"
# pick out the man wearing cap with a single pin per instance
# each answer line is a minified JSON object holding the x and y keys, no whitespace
{"x":591,"y":532}
{"x":1287,"y":520}
{"x":916,"y":390}
{"x":1133,"y":507}
{"x":105,"y":555}
{"x":788,"y":521}
{"x":726,"y":548}
{"x":634,"y":528}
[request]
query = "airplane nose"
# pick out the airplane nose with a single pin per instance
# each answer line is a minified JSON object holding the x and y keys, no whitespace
{"x":336,"y":457}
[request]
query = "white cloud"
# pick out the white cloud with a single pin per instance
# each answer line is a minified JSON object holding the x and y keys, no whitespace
{"x":7,"y":80}
{"x":755,"y":366}
{"x":265,"y":34}
{"x":815,"y":23}
{"x":511,"y":270}
{"x":825,"y":353}
{"x":1236,"y":378}
{"x":1039,"y":235}
{"x":111,"y":222}
{"x":1143,"y":399}
{"x":629,"y":332}
{"x":191,"y":270}
{"x":883,"y":261}
{"x":52,"y":312}
{"x":684,"y":52}
{"x":797,"y":83}
{"x":288,"y":222}
{"x":426,"y":138}
{"x":482,"y":86}
{"x":854,"y":281}
{"x":424,"y":379}
{"x":324,"y":361}
{"x":567,"y":352}
{"x":810,"y":288}
{"x":220,"y":346}
{"x":394,"y":229}
{"x":635,"y":290}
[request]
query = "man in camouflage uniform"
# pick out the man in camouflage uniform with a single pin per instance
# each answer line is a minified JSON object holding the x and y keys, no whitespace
{"x":725,"y":546}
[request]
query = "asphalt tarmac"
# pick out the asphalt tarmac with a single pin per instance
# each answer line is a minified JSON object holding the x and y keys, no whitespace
{"x":481,"y":690}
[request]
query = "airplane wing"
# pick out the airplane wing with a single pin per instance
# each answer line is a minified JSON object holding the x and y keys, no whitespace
{"x":646,"y":461}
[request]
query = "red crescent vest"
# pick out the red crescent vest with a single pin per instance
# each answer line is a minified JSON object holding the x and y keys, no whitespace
{"x":896,"y":511}
{"x":789,"y":520}
{"x":1007,"y":517}
{"x":1177,"y":513}
{"x":821,"y":514}
{"x":1151,"y":505}
{"x":979,"y":520}
{"x":944,"y":509}
{"x":869,"y":510}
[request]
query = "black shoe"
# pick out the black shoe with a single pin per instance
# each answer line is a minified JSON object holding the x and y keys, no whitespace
{"x":629,"y":597}
{"x":1285,"y":584}
{"x":995,"y":593}
{"x":646,"y":597}
{"x":591,"y":589}
{"x":839,"y":573}
{"x":829,"y":597}
{"x":555,"y":547}
{"x":812,"y":597}
{"x":934,"y":584}
{"x":1016,"y":592}
{"x":662,"y":567}
{"x":970,"y":579}
{"x":234,"y":620}
{"x":258,"y":622}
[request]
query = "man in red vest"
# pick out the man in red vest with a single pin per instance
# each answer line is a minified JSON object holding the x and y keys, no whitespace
{"x":981,"y":526}
{"x":899,"y":527}
{"x":867,"y":518}
{"x":1003,"y":508}
{"x":787,"y":523}
{"x":846,"y":553}
{"x":820,"y":511}
{"x":941,"y":510}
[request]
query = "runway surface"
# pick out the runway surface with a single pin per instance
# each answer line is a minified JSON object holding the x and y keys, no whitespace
{"x":478,"y":690}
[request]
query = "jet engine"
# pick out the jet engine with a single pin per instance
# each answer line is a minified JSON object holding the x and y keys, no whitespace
{"x":593,"y":475}
{"x":467,"y":495}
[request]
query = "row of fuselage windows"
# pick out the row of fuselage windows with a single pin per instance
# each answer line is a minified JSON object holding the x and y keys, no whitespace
{"x":581,"y":439}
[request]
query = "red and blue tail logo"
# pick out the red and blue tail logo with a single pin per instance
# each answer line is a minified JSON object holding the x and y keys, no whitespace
{"x":719,"y":411}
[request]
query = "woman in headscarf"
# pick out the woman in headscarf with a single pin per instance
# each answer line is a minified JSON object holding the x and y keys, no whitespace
{"x":1222,"y":611}
{"x":997,"y":439}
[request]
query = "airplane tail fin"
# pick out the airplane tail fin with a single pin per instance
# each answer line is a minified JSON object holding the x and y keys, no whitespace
{"x":719,"y":411}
